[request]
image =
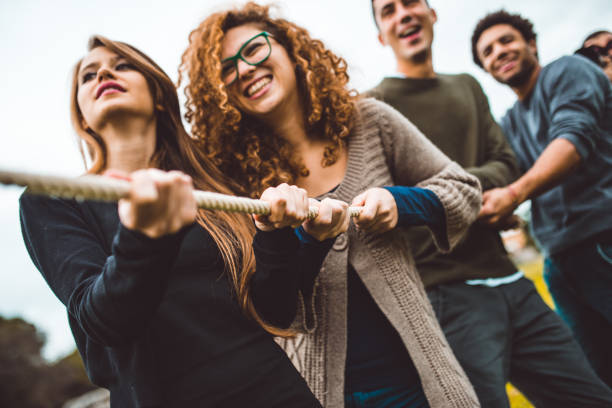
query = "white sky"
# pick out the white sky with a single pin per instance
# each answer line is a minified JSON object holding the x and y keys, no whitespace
{"x":41,"y":40}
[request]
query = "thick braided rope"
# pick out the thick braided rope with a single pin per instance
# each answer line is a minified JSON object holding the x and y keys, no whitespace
{"x":93,"y":187}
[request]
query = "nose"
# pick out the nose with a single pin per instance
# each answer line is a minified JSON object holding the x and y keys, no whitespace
{"x":405,"y":18}
{"x":404,"y":13}
{"x":104,"y":73}
{"x":498,"y":51}
{"x":245,"y":69}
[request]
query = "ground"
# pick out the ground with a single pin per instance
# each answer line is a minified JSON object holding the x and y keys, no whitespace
{"x":533,"y":270}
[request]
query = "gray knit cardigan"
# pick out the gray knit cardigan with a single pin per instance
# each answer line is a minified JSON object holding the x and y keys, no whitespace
{"x":385,"y":149}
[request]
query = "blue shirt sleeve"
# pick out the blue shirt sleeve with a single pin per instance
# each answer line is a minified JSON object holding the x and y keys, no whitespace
{"x":577,"y":102}
{"x":419,"y":206}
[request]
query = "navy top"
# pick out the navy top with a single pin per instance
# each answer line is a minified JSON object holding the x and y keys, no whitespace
{"x":376,"y":356}
{"x":156,"y":320}
{"x":572,"y":100}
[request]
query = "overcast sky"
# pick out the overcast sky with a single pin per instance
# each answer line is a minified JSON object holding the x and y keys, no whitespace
{"x":41,"y":40}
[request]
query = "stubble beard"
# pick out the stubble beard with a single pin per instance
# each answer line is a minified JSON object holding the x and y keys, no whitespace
{"x":521,"y":77}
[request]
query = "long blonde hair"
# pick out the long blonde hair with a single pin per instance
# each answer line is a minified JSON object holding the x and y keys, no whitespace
{"x":176,"y":150}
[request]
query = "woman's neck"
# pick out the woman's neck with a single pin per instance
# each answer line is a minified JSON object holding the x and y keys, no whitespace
{"x":130,"y":143}
{"x":288,"y":121}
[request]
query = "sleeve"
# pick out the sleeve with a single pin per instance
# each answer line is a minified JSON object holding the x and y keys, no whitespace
{"x":287,"y":264}
{"x":577,"y":101}
{"x":113,"y":298}
{"x":415,"y":161}
{"x":419,"y":206}
{"x":500,"y":166}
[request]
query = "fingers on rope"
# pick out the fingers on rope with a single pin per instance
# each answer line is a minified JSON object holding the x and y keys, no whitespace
{"x":94,"y":187}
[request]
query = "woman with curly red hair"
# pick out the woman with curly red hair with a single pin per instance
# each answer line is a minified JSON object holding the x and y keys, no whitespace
{"x":270,"y":104}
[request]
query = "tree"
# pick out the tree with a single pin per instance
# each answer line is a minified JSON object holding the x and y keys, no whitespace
{"x":26,"y":379}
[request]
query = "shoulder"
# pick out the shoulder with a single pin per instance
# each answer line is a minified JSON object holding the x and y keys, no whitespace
{"x":568,"y":69}
{"x":40,"y":211}
{"x":377,"y":92}
{"x":374,"y":113}
{"x":370,"y":105}
{"x":42,"y":205}
{"x":567,"y":62}
{"x":463,"y":80}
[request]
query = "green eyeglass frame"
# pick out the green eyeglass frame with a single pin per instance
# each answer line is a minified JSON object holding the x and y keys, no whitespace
{"x":239,"y":55}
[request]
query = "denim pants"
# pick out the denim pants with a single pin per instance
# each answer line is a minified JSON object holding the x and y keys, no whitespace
{"x":580,"y":281}
{"x":507,"y":333}
{"x":388,"y":397}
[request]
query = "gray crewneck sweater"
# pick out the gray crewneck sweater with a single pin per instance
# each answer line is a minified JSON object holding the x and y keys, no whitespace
{"x":386,"y":149}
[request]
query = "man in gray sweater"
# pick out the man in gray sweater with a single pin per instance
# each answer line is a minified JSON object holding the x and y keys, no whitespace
{"x":496,"y":323}
{"x":561,"y":131}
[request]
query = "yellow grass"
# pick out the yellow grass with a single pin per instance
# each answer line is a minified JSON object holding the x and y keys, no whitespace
{"x":533,"y":271}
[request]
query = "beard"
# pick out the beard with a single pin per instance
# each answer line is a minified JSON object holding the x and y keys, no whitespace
{"x":420,"y":56}
{"x":528,"y":65}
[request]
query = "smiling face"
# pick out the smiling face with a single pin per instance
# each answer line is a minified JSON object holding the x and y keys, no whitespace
{"x":258,"y":90}
{"x":506,"y":55}
{"x":406,"y":26}
{"x":109,"y":85}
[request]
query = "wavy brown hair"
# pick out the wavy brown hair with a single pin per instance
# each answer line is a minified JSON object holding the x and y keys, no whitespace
{"x":176,"y":150}
{"x":244,"y":148}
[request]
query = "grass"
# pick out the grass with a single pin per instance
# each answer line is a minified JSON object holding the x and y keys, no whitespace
{"x":533,"y":271}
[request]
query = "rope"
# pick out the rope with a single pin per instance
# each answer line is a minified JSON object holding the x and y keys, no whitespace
{"x":93,"y":187}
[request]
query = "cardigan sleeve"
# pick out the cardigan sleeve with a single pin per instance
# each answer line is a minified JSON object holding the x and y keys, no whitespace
{"x":112,"y":297}
{"x":414,"y":161}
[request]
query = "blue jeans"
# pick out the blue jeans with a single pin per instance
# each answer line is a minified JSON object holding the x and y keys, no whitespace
{"x":389,"y":397}
{"x":580,"y":281}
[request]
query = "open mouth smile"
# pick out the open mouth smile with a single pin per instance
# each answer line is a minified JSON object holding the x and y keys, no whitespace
{"x":258,"y":85}
{"x":409,"y":32}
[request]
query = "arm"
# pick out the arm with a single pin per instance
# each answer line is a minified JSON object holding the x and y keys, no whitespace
{"x":388,"y":207}
{"x":557,"y":161}
{"x":415,"y":161}
{"x":285,"y":267}
{"x":576,"y":108}
{"x":499,"y":166}
{"x":112,"y":297}
{"x":287,"y":260}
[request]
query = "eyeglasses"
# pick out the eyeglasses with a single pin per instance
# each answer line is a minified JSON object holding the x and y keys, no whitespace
{"x":254,"y":51}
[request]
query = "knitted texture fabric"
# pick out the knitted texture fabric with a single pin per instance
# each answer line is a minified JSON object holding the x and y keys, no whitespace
{"x":386,"y":149}
{"x":453,"y":113}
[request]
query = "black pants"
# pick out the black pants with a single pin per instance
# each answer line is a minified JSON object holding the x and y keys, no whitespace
{"x":507,"y":333}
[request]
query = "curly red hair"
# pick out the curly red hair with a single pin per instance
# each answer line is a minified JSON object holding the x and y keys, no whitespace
{"x":244,"y":149}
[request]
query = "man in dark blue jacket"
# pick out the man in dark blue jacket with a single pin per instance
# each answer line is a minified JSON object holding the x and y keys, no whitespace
{"x":561,"y":131}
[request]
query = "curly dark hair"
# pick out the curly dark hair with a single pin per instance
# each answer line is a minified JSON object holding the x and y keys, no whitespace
{"x":524,"y":26}
{"x":245,"y":149}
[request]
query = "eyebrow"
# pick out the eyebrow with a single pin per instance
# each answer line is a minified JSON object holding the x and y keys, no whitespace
{"x":95,"y":63}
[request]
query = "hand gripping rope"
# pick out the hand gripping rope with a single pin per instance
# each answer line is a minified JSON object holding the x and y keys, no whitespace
{"x":93,"y":187}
